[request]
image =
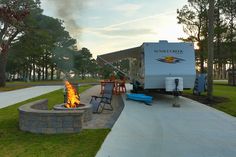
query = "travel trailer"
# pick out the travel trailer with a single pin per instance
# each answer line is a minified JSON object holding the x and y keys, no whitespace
{"x":158,"y":66}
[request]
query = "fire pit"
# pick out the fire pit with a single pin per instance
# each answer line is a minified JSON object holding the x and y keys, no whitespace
{"x":72,"y":100}
{"x":36,"y":118}
{"x":65,"y":118}
{"x":87,"y":108}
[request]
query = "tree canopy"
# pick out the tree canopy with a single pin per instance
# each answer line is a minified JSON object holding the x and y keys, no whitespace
{"x":194,"y":19}
{"x":34,"y":46}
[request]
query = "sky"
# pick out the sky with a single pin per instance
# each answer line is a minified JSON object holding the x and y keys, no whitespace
{"x":105,"y":26}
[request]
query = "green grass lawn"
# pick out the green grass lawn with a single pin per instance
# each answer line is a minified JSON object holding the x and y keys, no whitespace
{"x":227,"y":92}
{"x":10,"y":88}
{"x":49,"y":82}
{"x":16,"y":143}
{"x":21,"y":84}
{"x":220,"y":82}
{"x":221,"y":89}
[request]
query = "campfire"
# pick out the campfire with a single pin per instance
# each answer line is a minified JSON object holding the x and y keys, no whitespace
{"x":73,"y":100}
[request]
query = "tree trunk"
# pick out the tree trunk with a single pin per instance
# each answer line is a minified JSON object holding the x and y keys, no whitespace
{"x":200,"y":43}
{"x":39,"y":73}
{"x":43,"y":73}
{"x":210,"y":50}
{"x":218,"y":41}
{"x":58,"y":73}
{"x":30,"y":71}
{"x":231,"y":46}
{"x":3,"y":63}
{"x":233,"y":70}
{"x":34,"y":71}
{"x":83,"y":74}
{"x":27,"y":73}
{"x":46,"y":67}
{"x":52,"y":71}
{"x":24,"y":74}
{"x":220,"y":71}
{"x":46,"y":72}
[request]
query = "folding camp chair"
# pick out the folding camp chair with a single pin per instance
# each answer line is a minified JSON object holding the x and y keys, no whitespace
{"x":99,"y":102}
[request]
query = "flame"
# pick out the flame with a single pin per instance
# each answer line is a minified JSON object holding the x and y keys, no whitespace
{"x":72,"y":96}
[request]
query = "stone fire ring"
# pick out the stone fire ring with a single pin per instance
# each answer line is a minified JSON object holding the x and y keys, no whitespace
{"x":87,"y":108}
{"x":36,"y":118}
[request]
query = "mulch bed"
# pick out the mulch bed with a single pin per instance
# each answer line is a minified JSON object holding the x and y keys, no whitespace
{"x":204,"y":100}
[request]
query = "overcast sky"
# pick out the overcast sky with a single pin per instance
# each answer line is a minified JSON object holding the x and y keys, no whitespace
{"x":110,"y":25}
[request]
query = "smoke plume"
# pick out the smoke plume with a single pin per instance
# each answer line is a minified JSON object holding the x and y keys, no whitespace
{"x":68,"y":11}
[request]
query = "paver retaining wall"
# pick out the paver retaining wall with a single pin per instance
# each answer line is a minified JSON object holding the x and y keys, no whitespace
{"x":36,"y":118}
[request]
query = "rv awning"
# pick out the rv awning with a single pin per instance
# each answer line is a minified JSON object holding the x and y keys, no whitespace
{"x":119,"y":55}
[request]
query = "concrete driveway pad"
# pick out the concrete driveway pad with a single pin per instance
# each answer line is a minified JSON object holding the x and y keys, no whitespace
{"x":160,"y":130}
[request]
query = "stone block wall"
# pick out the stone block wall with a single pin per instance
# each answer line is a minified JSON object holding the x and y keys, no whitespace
{"x":36,"y":118}
{"x":87,"y":108}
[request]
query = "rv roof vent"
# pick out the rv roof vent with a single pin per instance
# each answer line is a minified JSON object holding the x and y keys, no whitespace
{"x":163,"y":41}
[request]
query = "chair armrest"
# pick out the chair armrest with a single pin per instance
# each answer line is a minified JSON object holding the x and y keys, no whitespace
{"x":94,"y":96}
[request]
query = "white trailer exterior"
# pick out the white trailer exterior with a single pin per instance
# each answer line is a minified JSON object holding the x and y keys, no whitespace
{"x":157,"y":61}
{"x":163,"y":59}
